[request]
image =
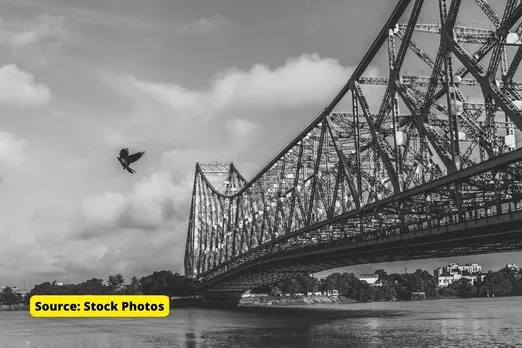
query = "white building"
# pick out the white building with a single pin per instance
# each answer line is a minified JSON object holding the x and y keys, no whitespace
{"x":453,"y":272}
{"x":371,"y":279}
{"x":448,"y":279}
{"x":512,"y":266}
{"x":454,"y":268}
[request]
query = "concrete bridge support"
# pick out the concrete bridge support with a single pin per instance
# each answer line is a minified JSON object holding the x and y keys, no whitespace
{"x":220,"y":299}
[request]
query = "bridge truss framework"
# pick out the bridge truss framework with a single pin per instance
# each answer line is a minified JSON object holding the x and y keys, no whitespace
{"x":351,"y":182}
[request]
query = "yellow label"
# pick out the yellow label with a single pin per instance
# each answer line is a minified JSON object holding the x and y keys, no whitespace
{"x":104,"y":306}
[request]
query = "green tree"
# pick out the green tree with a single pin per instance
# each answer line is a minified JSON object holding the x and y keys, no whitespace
{"x":8,"y":297}
{"x":364,"y":293}
{"x":92,"y":286}
{"x":447,"y":291}
{"x":307,"y":284}
{"x":265,"y":289}
{"x":111,"y":282}
{"x":289,"y":286}
{"x":388,"y":291}
{"x":275,"y":291}
{"x":166,"y":283}
{"x":498,"y":284}
{"x":463,"y":288}
{"x":120,"y":281}
{"x":380,"y":273}
{"x":115,"y":282}
{"x":134,"y":286}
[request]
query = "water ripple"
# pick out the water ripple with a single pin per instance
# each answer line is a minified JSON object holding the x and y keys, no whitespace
{"x":443,"y":323}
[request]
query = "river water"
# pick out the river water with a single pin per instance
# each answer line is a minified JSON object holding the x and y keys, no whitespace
{"x":493,"y":322}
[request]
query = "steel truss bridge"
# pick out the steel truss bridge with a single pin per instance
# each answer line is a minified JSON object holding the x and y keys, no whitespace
{"x":423,"y":172}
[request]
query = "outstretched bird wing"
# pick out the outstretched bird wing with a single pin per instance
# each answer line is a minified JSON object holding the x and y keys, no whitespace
{"x":124,"y":153}
{"x":135,"y":156}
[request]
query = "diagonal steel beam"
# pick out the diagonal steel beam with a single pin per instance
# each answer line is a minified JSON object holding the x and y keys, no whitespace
{"x":377,"y":138}
{"x":344,"y":164}
{"x":489,"y":11}
{"x":489,"y":88}
{"x":359,"y":70}
{"x":464,"y":174}
{"x":448,"y":22}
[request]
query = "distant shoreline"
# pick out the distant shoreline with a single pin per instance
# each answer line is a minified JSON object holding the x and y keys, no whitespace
{"x":14,"y":308}
{"x":264,"y":300}
{"x":259,"y":301}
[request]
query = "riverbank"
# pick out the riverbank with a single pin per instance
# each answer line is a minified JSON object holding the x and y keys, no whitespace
{"x":264,"y":300}
{"x":268,"y":300}
{"x":257,"y":300}
{"x":14,"y":308}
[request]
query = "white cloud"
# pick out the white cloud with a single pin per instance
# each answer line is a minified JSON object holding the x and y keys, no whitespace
{"x":181,"y":163}
{"x":152,"y":201}
{"x":238,"y":106}
{"x":131,"y":252}
{"x":104,"y":210}
{"x":119,"y":138}
{"x":155,"y":199}
{"x":174,"y":96}
{"x":243,"y":128}
{"x":205,"y":25}
{"x":134,"y":233}
{"x":308,"y":80}
{"x":43,"y":28}
{"x":52,"y":26}
{"x":11,"y":150}
{"x":18,"y":88}
{"x":34,"y":40}
{"x":303,"y":81}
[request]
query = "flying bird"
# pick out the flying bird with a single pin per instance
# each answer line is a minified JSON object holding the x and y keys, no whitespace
{"x":126,"y":159}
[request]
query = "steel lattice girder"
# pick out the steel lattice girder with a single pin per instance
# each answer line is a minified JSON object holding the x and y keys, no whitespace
{"x":369,"y":172}
{"x":429,"y":213}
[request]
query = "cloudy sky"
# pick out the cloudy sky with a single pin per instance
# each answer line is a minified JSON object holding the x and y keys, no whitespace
{"x":205,"y":80}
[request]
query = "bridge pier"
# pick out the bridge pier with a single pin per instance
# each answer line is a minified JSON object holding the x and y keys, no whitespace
{"x":221,"y":299}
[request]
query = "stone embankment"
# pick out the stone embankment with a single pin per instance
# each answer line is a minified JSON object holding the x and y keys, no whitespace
{"x":268,"y":300}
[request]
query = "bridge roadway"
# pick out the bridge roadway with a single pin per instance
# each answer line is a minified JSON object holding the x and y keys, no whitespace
{"x":489,"y":234}
{"x":378,"y":186}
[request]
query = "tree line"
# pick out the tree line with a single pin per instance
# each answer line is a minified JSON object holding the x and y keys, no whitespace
{"x":396,"y":286}
{"x":400,"y":286}
{"x":157,"y":283}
